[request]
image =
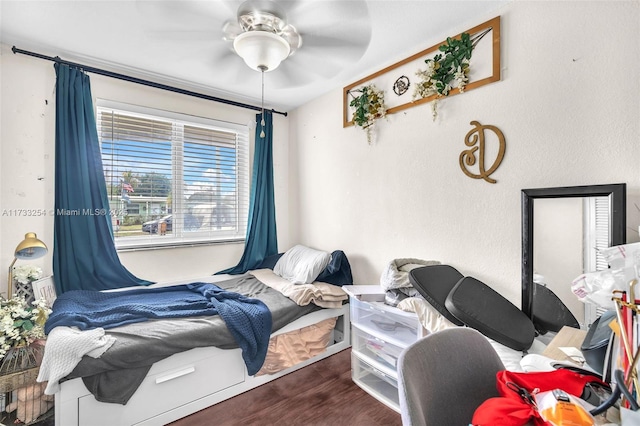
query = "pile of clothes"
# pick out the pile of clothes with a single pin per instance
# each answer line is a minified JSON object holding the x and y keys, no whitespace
{"x":395,"y":279}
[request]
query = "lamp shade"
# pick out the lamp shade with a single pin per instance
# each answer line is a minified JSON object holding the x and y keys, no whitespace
{"x":261,"y":50}
{"x":31,"y":247}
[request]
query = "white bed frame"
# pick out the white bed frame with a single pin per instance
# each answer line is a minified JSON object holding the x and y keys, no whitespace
{"x":186,"y":382}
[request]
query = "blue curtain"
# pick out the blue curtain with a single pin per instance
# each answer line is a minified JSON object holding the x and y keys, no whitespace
{"x":261,"y":240}
{"x":84,"y":255}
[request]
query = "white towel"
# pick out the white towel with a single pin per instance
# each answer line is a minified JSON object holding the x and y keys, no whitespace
{"x":65,"y":348}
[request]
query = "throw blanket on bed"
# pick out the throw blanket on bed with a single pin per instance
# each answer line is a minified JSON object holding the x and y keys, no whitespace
{"x":65,"y":348}
{"x":321,"y":294}
{"x":248,"y":320}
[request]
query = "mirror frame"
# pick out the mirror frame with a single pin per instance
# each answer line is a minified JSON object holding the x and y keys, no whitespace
{"x":618,"y":233}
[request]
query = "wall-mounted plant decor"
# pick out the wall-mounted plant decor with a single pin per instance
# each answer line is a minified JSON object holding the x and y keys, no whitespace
{"x":485,"y":69}
{"x":368,"y":106}
{"x":401,"y":85}
{"x":477,"y":141}
{"x":447,"y":70}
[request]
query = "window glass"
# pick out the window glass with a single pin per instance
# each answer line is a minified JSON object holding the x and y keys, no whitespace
{"x":173,"y":179}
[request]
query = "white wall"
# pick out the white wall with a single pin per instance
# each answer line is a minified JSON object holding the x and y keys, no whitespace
{"x":567,"y":104}
{"x":568,"y":107}
{"x":27,"y":165}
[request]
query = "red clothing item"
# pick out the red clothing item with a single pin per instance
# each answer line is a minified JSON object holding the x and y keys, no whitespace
{"x":512,"y":410}
{"x":502,"y":411}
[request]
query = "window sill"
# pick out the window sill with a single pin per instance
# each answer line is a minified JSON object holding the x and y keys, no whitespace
{"x":171,"y":244}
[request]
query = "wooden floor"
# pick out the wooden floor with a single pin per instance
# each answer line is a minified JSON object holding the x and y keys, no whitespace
{"x":317,"y":395}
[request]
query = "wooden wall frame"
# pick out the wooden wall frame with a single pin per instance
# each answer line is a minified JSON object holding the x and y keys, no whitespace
{"x":492,"y":24}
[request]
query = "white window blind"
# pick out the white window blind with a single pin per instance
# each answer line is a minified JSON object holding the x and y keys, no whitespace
{"x":602,"y":207}
{"x":173,"y":179}
{"x":597,"y":232}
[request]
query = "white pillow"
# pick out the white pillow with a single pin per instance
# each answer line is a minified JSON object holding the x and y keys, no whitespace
{"x":301,"y":265}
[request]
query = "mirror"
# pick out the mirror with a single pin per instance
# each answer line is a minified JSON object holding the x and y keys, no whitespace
{"x":565,"y":238}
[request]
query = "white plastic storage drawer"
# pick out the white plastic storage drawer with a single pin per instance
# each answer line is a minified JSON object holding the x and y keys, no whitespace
{"x":375,"y":348}
{"x":376,"y":382}
{"x":378,"y":319}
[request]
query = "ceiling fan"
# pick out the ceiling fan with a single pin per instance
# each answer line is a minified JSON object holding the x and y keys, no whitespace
{"x":261,"y":35}
{"x":308,"y":39}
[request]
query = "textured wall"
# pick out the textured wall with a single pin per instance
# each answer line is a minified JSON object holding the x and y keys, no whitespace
{"x":567,"y":105}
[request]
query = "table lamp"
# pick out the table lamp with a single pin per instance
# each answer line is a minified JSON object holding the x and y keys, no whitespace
{"x":30,"y":248}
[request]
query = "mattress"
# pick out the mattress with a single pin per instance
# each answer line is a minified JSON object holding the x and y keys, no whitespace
{"x":114,"y":376}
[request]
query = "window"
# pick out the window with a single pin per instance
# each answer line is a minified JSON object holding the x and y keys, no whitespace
{"x":173,"y":179}
{"x":597,"y":235}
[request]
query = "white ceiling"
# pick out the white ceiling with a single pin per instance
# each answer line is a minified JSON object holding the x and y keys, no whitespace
{"x":180,"y":42}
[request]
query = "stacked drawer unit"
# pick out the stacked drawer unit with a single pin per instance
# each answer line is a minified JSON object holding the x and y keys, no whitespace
{"x":379,"y":333}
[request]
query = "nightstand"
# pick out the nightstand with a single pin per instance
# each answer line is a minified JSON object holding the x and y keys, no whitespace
{"x":379,"y":333}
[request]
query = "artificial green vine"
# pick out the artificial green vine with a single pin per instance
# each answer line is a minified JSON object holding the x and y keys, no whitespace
{"x":447,"y":69}
{"x":369,"y":106}
{"x":457,"y":53}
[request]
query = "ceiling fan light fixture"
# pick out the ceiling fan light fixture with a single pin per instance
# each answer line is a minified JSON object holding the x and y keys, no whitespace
{"x":262,"y":15}
{"x":261,"y":50}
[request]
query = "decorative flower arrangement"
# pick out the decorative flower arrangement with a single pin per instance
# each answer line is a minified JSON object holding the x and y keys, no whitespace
{"x":446,"y":70}
{"x":21,"y":324}
{"x":369,"y":106}
{"x":25,"y":274}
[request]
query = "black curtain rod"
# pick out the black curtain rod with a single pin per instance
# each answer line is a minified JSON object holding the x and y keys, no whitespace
{"x":141,"y":81}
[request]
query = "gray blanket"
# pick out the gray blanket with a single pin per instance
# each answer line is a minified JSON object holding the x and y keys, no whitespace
{"x":115,"y":376}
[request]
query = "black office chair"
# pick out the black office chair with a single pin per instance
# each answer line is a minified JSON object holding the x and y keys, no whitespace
{"x":445,"y":376}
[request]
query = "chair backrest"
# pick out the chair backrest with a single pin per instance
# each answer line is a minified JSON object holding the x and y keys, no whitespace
{"x":548,"y":312}
{"x":445,"y":376}
{"x":434,"y":282}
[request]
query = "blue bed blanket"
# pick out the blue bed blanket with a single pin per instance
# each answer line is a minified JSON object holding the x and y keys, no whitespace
{"x":248,"y":320}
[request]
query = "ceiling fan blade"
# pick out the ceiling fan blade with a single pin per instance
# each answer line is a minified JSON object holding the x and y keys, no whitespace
{"x":289,"y":74}
{"x":231,"y":6}
{"x":325,"y":50}
{"x":310,"y":66}
{"x":328,"y":48}
{"x":230,"y":30}
{"x":222,"y":55}
{"x":173,"y":16}
{"x":292,"y":36}
{"x":322,"y":60}
{"x":227,"y":68}
{"x":354,"y":15}
{"x":345,"y":46}
{"x":182,"y":36}
{"x":358,"y":34}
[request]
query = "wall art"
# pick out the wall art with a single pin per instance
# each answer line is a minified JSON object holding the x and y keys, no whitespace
{"x":397,"y":78}
{"x":477,"y":141}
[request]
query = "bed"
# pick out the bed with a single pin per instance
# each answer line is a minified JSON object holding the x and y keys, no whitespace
{"x":161,"y":370}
